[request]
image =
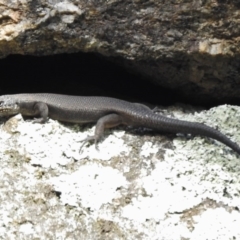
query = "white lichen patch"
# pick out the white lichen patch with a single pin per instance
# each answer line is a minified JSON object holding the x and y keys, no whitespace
{"x":148,"y":148}
{"x":90,"y":186}
{"x":164,"y":194}
{"x":220,"y":221}
{"x":67,"y":7}
{"x":111,"y":146}
{"x":55,"y":144}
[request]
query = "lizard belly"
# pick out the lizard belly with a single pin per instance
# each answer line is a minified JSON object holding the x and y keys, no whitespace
{"x":75,"y":116}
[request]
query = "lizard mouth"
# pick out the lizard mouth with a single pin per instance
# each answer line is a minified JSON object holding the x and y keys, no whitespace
{"x":6,"y":109}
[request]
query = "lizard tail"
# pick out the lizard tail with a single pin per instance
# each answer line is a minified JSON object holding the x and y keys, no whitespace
{"x":178,"y":126}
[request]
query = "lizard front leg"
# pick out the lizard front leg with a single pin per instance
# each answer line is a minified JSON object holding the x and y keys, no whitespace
{"x":39,"y":110}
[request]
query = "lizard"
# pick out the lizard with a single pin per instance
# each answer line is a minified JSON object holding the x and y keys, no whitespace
{"x":106,"y":112}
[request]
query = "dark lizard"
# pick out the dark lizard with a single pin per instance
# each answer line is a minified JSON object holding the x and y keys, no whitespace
{"x":106,"y":112}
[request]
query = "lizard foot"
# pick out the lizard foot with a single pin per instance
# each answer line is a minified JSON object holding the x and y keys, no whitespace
{"x":35,"y":120}
{"x":89,"y":139}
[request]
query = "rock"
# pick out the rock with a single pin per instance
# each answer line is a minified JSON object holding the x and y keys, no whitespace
{"x":136,"y":186}
{"x":191,"y":47}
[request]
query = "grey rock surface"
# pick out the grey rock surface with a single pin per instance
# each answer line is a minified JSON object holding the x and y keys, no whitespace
{"x":139,"y":185}
{"x":189,"y":46}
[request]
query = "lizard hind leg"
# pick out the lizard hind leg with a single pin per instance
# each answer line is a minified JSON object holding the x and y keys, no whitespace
{"x":108,"y":121}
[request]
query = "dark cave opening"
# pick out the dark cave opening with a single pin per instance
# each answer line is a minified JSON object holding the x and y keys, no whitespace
{"x":86,"y":74}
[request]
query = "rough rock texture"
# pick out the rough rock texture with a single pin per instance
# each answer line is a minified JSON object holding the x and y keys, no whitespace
{"x":190,"y":46}
{"x":149,"y":187}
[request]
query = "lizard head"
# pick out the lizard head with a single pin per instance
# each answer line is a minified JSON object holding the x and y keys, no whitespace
{"x":8,"y":106}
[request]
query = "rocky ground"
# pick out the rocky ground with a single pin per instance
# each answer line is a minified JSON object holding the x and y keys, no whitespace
{"x":138,"y":185}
